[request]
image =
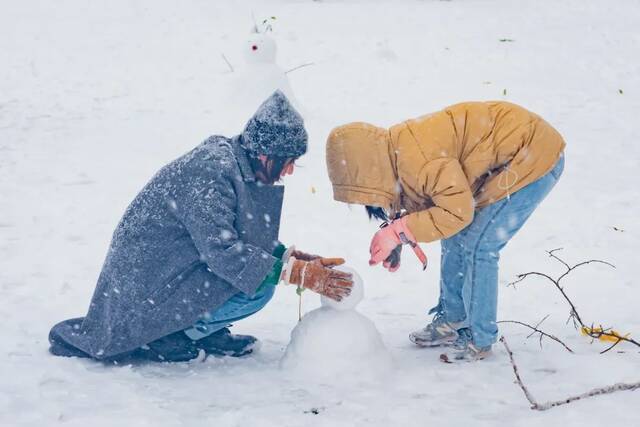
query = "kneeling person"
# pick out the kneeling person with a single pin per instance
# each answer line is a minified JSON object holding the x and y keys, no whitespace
{"x":198,"y":249}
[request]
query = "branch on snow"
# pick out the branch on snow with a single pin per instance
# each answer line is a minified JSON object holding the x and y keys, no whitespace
{"x":552,"y":404}
{"x":538,"y":331}
{"x":605,"y":334}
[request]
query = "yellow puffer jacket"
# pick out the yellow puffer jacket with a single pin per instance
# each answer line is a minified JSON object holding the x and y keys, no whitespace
{"x":438,"y":168}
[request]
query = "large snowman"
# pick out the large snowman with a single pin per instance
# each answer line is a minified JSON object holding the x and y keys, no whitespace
{"x":336,"y":343}
{"x":260,"y":74}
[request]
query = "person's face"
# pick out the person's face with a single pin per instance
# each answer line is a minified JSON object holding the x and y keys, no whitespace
{"x":288,"y":168}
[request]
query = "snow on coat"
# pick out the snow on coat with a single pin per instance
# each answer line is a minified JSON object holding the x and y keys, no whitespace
{"x":199,"y":232}
{"x":441,"y":166}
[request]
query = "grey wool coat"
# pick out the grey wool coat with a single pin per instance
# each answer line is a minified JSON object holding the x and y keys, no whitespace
{"x":202,"y":230}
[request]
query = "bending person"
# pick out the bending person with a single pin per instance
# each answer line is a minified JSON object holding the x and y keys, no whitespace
{"x":470,"y":176}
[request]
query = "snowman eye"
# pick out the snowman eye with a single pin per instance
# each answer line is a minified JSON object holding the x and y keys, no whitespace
{"x":254,"y":47}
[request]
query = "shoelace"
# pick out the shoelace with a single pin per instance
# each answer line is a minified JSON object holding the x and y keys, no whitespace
{"x":464,"y":336}
{"x":437,"y":319}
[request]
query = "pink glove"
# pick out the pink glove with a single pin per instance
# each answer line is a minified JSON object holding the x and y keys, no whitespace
{"x":388,"y":238}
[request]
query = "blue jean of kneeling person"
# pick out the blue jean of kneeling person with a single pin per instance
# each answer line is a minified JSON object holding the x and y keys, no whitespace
{"x":469,"y":260}
{"x":238,"y":307}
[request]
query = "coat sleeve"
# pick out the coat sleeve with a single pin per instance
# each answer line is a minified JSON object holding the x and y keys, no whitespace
{"x":444,"y":182}
{"x":207,"y":209}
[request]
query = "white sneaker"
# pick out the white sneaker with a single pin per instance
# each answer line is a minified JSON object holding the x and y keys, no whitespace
{"x":438,"y":332}
{"x":464,"y":350}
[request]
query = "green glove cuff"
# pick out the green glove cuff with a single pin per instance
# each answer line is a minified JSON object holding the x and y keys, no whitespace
{"x":273,"y":278}
{"x":279,"y":251}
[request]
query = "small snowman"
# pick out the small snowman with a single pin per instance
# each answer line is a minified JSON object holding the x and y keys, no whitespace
{"x":261,"y":75}
{"x":336,"y":343}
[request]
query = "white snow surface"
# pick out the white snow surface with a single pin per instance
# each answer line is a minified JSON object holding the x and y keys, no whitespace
{"x":96,"y":96}
{"x":353,"y":299}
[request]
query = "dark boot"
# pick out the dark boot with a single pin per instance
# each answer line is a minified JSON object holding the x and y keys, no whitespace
{"x":224,"y":343}
{"x":176,"y":347}
{"x":59,"y":347}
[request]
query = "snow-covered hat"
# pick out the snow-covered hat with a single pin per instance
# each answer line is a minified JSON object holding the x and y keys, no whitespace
{"x":276,"y":129}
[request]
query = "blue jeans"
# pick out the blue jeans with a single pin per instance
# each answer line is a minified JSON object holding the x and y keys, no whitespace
{"x":235,"y":308}
{"x":469,"y":260}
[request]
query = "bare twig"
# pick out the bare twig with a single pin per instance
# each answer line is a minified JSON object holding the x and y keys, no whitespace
{"x":596,"y":333}
{"x":299,"y":66}
{"x":526,"y":392}
{"x":552,"y":404}
{"x":552,"y":255}
{"x":611,"y":346}
{"x":591,"y":393}
{"x":521,"y":277}
{"x":228,"y":63}
{"x":539,"y":331}
{"x":580,"y":264}
{"x":255,"y":23}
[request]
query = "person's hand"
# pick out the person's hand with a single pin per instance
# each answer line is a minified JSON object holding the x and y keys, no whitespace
{"x":387,"y":239}
{"x":325,"y":262}
{"x":325,"y":281}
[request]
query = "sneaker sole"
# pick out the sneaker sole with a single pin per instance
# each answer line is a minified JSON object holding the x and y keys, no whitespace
{"x":482,"y":356}
{"x":250,"y":349}
{"x":445,"y":342}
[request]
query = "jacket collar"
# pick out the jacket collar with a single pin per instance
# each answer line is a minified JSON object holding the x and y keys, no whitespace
{"x":243,"y":161}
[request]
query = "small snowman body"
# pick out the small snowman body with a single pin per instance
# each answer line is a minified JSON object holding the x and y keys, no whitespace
{"x":336,"y":343}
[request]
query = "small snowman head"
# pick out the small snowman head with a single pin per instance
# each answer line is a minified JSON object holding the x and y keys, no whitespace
{"x":260,"y":48}
{"x":350,"y":302}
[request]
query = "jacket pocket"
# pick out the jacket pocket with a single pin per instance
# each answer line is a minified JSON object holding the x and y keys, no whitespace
{"x":162,"y":294}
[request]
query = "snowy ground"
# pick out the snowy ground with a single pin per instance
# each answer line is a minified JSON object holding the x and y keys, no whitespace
{"x":96,"y":96}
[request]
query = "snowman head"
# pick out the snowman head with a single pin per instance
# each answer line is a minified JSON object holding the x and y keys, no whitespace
{"x":260,"y":49}
{"x":350,"y":302}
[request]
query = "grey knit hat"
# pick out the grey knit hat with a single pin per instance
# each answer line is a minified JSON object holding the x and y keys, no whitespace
{"x":276,"y":129}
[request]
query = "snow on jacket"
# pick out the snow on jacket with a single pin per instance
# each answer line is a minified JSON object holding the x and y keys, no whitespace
{"x":442,"y":166}
{"x":201,"y":231}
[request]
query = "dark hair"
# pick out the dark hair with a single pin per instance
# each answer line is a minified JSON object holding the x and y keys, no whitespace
{"x":272,"y":169}
{"x":377,"y":213}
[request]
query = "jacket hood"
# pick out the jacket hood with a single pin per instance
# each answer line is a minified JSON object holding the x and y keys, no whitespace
{"x":360,"y":166}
